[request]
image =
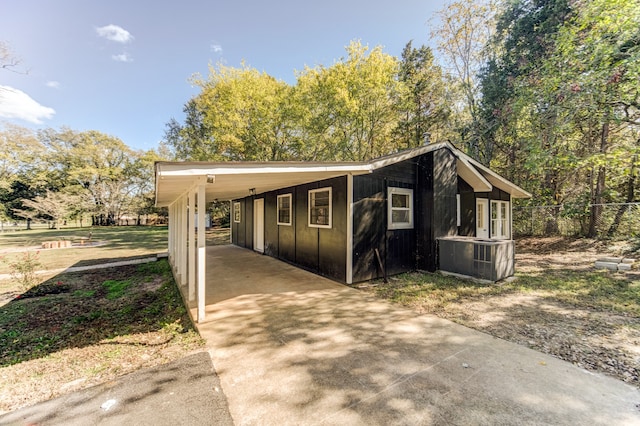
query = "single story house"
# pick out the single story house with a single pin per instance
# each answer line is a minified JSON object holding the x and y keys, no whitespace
{"x":429,"y":208}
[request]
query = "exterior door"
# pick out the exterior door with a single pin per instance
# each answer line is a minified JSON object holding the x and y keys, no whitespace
{"x":482,"y":218}
{"x":258,"y":225}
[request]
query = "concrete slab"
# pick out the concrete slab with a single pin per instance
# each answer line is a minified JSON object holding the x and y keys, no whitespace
{"x":184,"y":392}
{"x":611,"y":259}
{"x":291,"y":347}
{"x":612,"y":266}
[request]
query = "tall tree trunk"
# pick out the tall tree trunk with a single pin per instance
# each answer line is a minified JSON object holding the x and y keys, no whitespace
{"x":631,"y":183}
{"x":596,"y":202}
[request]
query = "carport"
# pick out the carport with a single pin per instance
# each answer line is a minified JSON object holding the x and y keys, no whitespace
{"x":186,"y":187}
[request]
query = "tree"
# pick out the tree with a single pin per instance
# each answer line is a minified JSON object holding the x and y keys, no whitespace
{"x":423,"y":107}
{"x":560,"y":102}
{"x":239,"y":115}
{"x":19,"y":149}
{"x":465,"y":27}
{"x":99,"y":164}
{"x":524,"y":38}
{"x":598,"y":51}
{"x":347,"y":111}
{"x":8,"y":59}
{"x":350,"y":109}
{"x":56,"y":206}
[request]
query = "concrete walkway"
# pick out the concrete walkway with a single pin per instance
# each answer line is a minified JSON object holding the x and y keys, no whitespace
{"x":91,"y":267}
{"x":293,"y":348}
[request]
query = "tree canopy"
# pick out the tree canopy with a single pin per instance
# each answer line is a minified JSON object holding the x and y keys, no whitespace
{"x":366,"y":104}
{"x":60,"y":175}
{"x":547,"y":92}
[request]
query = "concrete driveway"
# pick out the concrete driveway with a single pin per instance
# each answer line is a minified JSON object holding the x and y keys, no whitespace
{"x":293,"y":348}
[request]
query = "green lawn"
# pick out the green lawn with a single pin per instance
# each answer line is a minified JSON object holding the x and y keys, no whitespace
{"x":116,"y":242}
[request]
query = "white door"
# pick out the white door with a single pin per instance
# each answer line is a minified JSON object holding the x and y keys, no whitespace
{"x":482,"y":218}
{"x":258,"y":225}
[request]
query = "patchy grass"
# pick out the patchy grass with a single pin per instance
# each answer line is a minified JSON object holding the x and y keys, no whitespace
{"x":558,"y":304}
{"x":115,"y":288}
{"x":599,"y":290}
{"x":79,"y":329}
{"x":588,"y":289}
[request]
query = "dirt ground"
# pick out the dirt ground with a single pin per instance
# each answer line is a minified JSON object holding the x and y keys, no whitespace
{"x":590,"y":338}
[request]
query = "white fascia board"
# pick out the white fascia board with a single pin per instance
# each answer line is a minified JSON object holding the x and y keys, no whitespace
{"x":470,"y":175}
{"x":514,"y":190}
{"x":182,"y":170}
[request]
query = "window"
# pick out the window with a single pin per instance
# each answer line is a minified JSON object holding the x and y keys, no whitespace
{"x":458,"y":216}
{"x":236,"y":212}
{"x":400,"y":211}
{"x":500,"y":220}
{"x":320,"y":208}
{"x":284,"y":209}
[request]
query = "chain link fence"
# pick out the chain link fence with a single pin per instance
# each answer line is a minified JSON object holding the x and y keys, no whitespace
{"x":613,"y":220}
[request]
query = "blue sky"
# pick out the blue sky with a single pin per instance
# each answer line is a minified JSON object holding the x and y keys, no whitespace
{"x":123,"y":67}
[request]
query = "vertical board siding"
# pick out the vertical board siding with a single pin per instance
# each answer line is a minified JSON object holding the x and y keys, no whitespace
{"x":424,"y":213}
{"x":248,"y":223}
{"x":369,"y":217}
{"x":445,"y":186}
{"x":319,"y":250}
{"x":306,"y":247}
{"x":271,"y":240}
{"x":332,"y":243}
{"x":435,"y":183}
{"x":287,"y":234}
{"x":396,"y":247}
{"x":467,"y":226}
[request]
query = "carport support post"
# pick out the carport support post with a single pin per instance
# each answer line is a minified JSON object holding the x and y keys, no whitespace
{"x":171,"y":237}
{"x":183,"y":241}
{"x":192,"y":246}
{"x":202,"y":258}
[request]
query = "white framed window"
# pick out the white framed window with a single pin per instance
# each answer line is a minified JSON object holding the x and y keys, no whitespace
{"x":320,"y":208}
{"x":284,"y":209}
{"x":500,"y":220}
{"x":400,"y":208}
{"x":236,"y":212}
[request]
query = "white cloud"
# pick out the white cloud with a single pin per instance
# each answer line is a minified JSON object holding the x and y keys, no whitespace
{"x":53,"y":84}
{"x":114,"y":33}
{"x":216,"y":48}
{"x":122,"y":57}
{"x":15,"y":103}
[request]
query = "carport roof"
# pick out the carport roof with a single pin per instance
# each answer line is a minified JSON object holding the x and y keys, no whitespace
{"x":232,"y":180}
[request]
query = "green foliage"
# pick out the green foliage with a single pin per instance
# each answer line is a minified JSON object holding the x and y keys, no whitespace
{"x":64,"y":174}
{"x":24,"y":267}
{"x":424,"y":107}
{"x":116,"y":288}
{"x":84,"y":293}
{"x":560,"y":106}
{"x":356,"y":109}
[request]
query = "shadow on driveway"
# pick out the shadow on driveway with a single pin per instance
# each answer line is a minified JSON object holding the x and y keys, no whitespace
{"x":294,"y":348}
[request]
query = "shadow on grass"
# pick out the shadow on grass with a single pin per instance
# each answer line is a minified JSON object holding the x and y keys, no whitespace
{"x":79,"y":309}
